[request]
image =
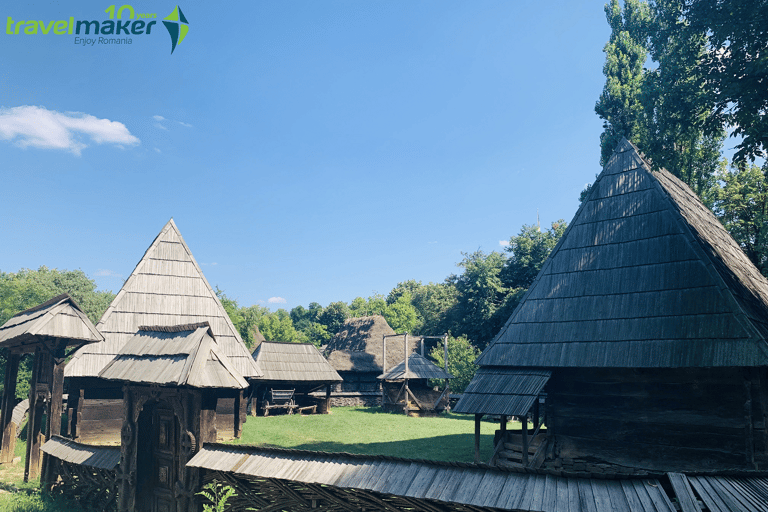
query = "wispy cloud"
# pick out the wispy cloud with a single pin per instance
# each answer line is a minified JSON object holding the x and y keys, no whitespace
{"x":158,"y":150}
{"x":158,"y":125}
{"x":158,"y":118}
{"x":33,"y":126}
{"x":182,"y":123}
{"x":276,"y":300}
{"x":504,"y":243}
{"x":103,"y":272}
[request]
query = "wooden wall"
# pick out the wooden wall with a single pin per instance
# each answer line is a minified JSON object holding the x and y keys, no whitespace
{"x":665,"y":419}
{"x":96,"y":406}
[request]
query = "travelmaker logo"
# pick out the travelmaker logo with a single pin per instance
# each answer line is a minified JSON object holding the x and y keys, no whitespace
{"x":135,"y":24}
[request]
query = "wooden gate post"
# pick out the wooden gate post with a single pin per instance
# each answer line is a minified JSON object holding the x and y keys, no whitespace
{"x":53,"y":426}
{"x":7,"y":430}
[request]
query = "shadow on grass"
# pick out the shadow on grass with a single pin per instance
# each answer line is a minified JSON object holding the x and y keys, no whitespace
{"x":448,"y":448}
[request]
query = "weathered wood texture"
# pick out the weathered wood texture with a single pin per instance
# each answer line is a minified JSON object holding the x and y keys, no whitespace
{"x":167,"y":287}
{"x":644,"y":276}
{"x":673,"y":419}
{"x":270,"y":479}
{"x":8,"y":432}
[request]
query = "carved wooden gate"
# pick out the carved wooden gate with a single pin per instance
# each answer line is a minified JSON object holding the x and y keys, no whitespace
{"x":157,"y":458}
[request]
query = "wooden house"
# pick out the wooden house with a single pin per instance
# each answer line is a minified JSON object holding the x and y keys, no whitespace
{"x":356,"y":352}
{"x":298,"y":367}
{"x":172,"y":377}
{"x":406,"y":387}
{"x":46,"y":331}
{"x":643,"y":340}
{"x":167,"y":287}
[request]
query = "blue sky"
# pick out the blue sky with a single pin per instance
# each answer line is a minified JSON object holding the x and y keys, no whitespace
{"x":307,"y":150}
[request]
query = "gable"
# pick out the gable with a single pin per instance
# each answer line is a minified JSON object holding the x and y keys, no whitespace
{"x":644,"y":276}
{"x":167,"y":288}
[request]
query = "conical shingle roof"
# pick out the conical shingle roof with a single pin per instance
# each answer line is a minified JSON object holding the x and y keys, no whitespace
{"x":167,"y":288}
{"x":645,"y":276}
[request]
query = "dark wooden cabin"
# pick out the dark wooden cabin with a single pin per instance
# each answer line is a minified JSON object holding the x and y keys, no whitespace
{"x":356,"y":353}
{"x":644,"y":338}
{"x":167,"y":287}
{"x":173,"y":377}
{"x":299,"y":367}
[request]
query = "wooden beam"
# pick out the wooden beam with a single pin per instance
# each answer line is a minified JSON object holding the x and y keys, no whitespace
{"x":477,"y":437}
{"x":7,"y":428}
{"x":37,"y":388}
{"x":53,"y":427}
{"x":525,"y":440}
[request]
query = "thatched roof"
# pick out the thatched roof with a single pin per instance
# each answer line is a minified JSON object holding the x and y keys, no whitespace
{"x":358,"y":346}
{"x":167,"y":287}
{"x":419,"y":367}
{"x":59,"y":317}
{"x":183,"y":355}
{"x":644,"y":277}
{"x":293,"y":362}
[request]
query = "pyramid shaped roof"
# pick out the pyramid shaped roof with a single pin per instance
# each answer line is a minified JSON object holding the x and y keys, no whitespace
{"x":166,"y":288}
{"x":182,"y":355}
{"x":645,"y":276}
{"x":419,"y":367}
{"x":59,"y":317}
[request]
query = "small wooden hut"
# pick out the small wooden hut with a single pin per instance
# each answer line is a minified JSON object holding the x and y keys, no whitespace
{"x":167,"y":287}
{"x":644,"y":337}
{"x":406,"y":387}
{"x":356,"y":353}
{"x":298,"y":367}
{"x":172,"y":377}
{"x":46,"y":331}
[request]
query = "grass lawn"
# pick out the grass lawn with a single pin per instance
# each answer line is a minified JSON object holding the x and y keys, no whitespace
{"x":449,"y":437}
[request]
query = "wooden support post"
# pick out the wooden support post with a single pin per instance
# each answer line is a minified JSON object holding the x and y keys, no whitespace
{"x":525,"y":440}
{"x":477,"y":437}
{"x":383,"y":365}
{"x":405,"y":407}
{"x":536,"y":414}
{"x":421,"y":347}
{"x":445,"y":351}
{"x":53,"y":424}
{"x":41,"y":369}
{"x":749,"y":438}
{"x":503,"y":429}
{"x":8,"y":431}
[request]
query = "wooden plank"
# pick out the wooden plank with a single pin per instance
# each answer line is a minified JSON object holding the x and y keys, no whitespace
{"x":683,"y":491}
{"x":708,"y":495}
{"x":587,"y":501}
{"x":7,"y":429}
{"x":619,"y":500}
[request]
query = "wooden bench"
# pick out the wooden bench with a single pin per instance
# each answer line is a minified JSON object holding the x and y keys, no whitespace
{"x":280,"y":399}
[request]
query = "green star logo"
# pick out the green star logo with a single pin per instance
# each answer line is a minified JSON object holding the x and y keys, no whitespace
{"x":177,"y":26}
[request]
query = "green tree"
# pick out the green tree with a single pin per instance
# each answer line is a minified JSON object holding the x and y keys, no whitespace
{"x":461,"y":361}
{"x":433,"y":301}
{"x":742,"y":206}
{"x":735,"y":67}
{"x":278,"y":326}
{"x":619,"y":105}
{"x":401,"y":315}
{"x":528,"y":251}
{"x":334,"y":316}
{"x":480,"y":292}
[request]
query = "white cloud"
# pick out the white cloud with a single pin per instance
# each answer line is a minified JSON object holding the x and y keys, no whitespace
{"x":504,"y":243}
{"x":158,"y":118}
{"x":158,"y":150}
{"x":103,"y":272}
{"x":276,"y":300}
{"x":182,"y":123}
{"x":39,"y":127}
{"x":158,"y":125}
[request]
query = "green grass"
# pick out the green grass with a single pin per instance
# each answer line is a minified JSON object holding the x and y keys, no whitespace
{"x":449,"y":437}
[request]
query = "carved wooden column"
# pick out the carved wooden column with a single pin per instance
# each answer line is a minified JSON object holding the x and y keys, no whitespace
{"x":7,"y":429}
{"x":39,"y":396}
{"x":54,"y":410}
{"x":126,"y":475}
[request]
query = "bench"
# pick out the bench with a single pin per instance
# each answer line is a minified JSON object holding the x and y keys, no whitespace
{"x":280,"y":399}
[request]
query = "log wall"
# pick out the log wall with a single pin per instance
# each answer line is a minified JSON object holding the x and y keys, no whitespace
{"x":665,"y":419}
